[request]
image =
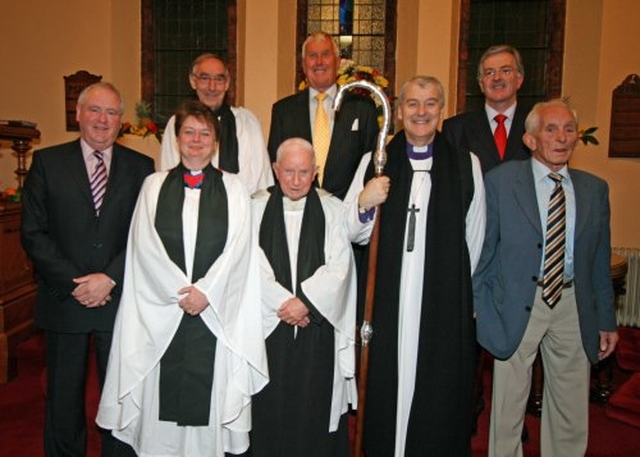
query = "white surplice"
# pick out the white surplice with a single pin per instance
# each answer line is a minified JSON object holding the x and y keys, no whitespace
{"x":149,"y":316}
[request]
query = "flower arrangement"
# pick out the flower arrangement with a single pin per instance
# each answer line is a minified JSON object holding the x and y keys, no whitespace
{"x":11,"y":194}
{"x":144,"y":126}
{"x":350,"y":71}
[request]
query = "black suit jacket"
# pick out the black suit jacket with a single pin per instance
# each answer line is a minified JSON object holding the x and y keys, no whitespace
{"x":64,"y":238}
{"x":471,"y":131}
{"x":355,"y":131}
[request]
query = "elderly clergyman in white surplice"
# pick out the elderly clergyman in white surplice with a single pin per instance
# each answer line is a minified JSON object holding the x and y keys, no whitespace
{"x":308,"y":291}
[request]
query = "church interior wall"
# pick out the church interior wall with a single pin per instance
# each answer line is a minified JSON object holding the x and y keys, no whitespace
{"x":44,"y":41}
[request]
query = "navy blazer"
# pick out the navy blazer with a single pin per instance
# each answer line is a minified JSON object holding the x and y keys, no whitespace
{"x":355,"y":131}
{"x":64,"y":238}
{"x":471,"y":131}
{"x":506,"y":278}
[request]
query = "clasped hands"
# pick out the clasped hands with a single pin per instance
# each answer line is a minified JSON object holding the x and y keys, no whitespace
{"x":93,"y":290}
{"x":194,"y":301}
{"x":294,"y":312}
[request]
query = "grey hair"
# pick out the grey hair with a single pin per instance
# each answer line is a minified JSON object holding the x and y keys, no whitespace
{"x":500,"y":49}
{"x":82,"y":98}
{"x":317,"y":37}
{"x":532,"y":123}
{"x":296,"y":143}
{"x":206,"y":56}
{"x":423,"y":82}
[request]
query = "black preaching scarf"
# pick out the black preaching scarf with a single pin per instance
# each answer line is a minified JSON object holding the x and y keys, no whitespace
{"x":186,"y":368}
{"x":273,"y":241}
{"x":228,"y":141}
{"x":439,"y":423}
{"x":291,"y":414}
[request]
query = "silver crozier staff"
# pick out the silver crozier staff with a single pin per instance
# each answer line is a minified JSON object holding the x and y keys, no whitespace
{"x":366,"y":330}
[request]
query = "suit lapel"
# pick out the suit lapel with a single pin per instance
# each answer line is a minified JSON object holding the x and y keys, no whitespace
{"x":116,"y":179}
{"x":525,"y":194}
{"x":301,"y":111}
{"x":78,"y":171}
{"x":514,"y":141}
{"x":581,"y":193}
{"x":481,"y":131}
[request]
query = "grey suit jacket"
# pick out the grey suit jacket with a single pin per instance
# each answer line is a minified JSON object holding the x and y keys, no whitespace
{"x":506,"y":278}
{"x":471,"y":132}
{"x":64,"y":238}
{"x":355,"y":131}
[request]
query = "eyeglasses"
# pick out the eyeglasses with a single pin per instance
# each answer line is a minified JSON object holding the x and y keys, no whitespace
{"x":205,"y":78}
{"x":491,"y":72}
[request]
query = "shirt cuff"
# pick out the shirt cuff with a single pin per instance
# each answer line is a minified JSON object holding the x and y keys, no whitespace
{"x":365,"y":216}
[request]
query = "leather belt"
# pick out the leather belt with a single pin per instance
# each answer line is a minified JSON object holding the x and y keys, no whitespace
{"x":566,"y":285}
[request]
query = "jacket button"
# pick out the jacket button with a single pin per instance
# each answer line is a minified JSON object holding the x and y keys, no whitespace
{"x":527,"y":309}
{"x":534,"y":278}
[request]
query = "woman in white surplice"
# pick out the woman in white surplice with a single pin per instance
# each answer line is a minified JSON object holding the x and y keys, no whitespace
{"x":188,"y":350}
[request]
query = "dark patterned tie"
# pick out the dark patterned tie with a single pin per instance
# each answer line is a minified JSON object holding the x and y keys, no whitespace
{"x":98,"y":181}
{"x":500,"y":134}
{"x":553,"y":275}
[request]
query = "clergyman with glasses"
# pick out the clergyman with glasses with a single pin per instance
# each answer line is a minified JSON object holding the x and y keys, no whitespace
{"x":242,"y":149}
{"x":494,"y":133}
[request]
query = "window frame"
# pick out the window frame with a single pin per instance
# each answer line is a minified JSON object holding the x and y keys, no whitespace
{"x":147,"y":61}
{"x":556,"y":27}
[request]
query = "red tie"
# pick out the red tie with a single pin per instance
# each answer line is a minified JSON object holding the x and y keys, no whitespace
{"x":500,"y":135}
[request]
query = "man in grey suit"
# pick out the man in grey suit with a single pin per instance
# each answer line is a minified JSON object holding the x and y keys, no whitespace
{"x":500,"y":76}
{"x":353,"y":130}
{"x":78,"y":199}
{"x":573,"y":328}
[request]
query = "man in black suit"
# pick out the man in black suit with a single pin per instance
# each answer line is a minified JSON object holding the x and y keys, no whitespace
{"x":354,"y":129}
{"x":500,"y":76}
{"x":78,"y":199}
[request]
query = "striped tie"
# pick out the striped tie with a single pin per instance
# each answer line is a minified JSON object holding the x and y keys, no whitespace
{"x":321,"y":136}
{"x":98,"y":181}
{"x":553,"y":276}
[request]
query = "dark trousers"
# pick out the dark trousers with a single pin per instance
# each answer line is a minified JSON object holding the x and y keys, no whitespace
{"x":67,"y":357}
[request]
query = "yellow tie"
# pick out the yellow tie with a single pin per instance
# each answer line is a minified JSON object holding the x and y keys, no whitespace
{"x":321,"y":136}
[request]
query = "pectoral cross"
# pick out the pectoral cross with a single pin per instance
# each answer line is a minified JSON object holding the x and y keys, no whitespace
{"x":411,"y":235}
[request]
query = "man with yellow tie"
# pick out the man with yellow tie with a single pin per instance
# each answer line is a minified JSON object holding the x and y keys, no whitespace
{"x":339,"y":138}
